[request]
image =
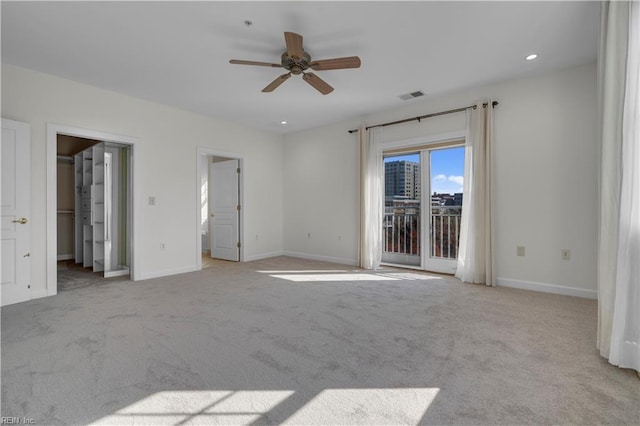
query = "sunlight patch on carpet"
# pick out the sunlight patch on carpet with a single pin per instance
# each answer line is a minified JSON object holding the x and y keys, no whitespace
{"x":305,"y":271}
{"x":200,"y":407}
{"x":335,"y":277}
{"x":365,"y":407}
{"x":410,"y":276}
{"x":405,"y":406}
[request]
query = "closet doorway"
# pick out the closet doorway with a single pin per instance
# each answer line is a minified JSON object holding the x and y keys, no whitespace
{"x":219,"y":207}
{"x":90,"y":183}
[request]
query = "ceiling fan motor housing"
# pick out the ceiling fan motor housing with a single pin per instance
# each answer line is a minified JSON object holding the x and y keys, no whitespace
{"x":294,"y":65}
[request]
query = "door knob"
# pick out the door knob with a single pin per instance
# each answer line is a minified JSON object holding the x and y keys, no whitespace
{"x":22,"y":220}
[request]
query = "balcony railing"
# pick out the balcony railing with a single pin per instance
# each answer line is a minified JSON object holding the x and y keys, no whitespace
{"x":401,"y":232}
{"x":445,"y":231}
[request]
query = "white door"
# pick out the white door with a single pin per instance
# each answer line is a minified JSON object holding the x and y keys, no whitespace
{"x":225,"y":210}
{"x":16,"y":228}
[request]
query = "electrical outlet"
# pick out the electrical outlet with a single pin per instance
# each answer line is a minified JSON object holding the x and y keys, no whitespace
{"x":152,"y":200}
{"x":309,"y":235}
{"x":566,"y":254}
{"x":163,"y":246}
{"x":339,"y":237}
{"x":520,"y":250}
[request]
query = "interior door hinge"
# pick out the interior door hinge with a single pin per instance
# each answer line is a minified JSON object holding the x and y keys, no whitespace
{"x":239,"y":245}
{"x":239,"y":207}
{"x":238,"y":170}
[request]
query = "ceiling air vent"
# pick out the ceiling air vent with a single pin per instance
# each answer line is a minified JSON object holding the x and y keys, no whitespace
{"x":411,"y":95}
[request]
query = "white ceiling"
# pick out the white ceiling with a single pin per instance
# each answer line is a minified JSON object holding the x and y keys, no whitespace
{"x":177,"y":53}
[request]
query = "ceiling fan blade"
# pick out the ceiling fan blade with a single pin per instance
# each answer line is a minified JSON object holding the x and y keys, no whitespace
{"x":336,"y":63}
{"x":319,"y":84}
{"x":262,"y":64}
{"x":294,"y":45}
{"x":277,"y":82}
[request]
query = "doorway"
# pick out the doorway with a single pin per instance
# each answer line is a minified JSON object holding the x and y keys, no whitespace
{"x":220,"y":207}
{"x":93,"y":211}
{"x":90,"y":213}
{"x":423,"y":207}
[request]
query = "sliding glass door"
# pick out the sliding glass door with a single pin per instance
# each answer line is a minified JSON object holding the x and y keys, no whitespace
{"x":423,"y":204}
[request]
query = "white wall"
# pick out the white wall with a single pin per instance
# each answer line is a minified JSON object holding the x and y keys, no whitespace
{"x":546,"y":154}
{"x":321,"y":195}
{"x":546,"y":172}
{"x":166,"y":166}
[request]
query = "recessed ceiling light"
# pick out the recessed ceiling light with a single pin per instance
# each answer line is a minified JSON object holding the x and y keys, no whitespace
{"x":531,"y":57}
{"x":283,"y":122}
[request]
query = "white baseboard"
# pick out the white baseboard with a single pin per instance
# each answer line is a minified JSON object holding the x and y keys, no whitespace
{"x":547,"y":288}
{"x":65,"y":256}
{"x":262,"y":256}
{"x":166,"y":272}
{"x":340,"y":260}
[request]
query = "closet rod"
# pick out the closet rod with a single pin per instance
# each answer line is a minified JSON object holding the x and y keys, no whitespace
{"x":434,"y":114}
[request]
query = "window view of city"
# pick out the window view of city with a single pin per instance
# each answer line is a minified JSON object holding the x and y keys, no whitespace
{"x":403,"y":188}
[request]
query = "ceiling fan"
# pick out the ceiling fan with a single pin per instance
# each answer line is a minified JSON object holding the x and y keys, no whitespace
{"x":297,"y":61}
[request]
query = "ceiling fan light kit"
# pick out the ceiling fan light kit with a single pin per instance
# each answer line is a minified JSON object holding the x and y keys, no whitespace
{"x":297,"y":61}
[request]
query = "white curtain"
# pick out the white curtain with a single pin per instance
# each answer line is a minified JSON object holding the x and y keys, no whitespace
{"x":476,"y":247}
{"x":619,"y":220}
{"x":371,"y":198}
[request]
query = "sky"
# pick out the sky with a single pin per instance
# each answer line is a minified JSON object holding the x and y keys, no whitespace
{"x":447,"y":169}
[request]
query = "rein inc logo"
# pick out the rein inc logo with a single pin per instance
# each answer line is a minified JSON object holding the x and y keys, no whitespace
{"x":17,"y":421}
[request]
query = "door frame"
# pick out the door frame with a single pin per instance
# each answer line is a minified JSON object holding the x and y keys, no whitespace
{"x":53,"y":130}
{"x":206,"y":152}
{"x":420,"y":143}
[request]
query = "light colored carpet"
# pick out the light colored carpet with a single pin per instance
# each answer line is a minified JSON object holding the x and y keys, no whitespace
{"x":72,"y":276}
{"x":302,"y":342}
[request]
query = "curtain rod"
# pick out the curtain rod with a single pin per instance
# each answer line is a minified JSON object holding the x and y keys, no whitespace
{"x":434,"y":114}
